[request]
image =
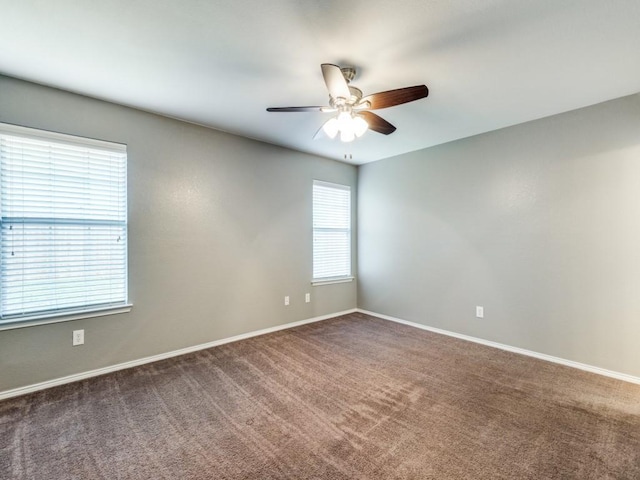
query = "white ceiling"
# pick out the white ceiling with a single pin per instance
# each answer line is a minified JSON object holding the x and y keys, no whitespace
{"x":488,"y":63}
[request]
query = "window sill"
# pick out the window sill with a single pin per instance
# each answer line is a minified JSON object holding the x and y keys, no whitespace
{"x":330,"y":281}
{"x":62,"y":317}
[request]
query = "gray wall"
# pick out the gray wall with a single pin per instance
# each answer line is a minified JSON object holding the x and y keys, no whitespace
{"x":219,"y":233}
{"x":539,"y":223}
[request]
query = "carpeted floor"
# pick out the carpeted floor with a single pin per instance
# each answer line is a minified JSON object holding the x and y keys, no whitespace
{"x":349,"y":398}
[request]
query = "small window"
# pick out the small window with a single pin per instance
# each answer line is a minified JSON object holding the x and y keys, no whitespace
{"x":331,"y":232}
{"x":63,"y":226}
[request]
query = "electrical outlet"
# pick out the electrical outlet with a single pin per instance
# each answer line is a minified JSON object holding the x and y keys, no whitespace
{"x":78,"y":337}
{"x":286,"y":300}
{"x":480,"y":312}
{"x":307,"y":297}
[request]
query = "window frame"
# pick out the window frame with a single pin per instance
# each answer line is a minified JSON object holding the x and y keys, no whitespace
{"x":348,"y":277}
{"x":85,"y":311}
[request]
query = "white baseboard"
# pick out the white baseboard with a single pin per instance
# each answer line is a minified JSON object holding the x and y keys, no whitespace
{"x":15,"y":392}
{"x":542,"y":356}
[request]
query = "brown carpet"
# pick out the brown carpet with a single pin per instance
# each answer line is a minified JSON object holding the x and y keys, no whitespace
{"x":349,"y":398}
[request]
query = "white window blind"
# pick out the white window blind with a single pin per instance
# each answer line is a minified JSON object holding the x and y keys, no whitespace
{"x":331,"y":231}
{"x":63,"y":235}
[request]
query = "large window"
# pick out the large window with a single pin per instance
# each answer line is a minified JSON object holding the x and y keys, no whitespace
{"x":331,"y":232}
{"x":63,"y":235}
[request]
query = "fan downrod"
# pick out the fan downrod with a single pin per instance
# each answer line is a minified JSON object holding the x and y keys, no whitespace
{"x":348,"y":73}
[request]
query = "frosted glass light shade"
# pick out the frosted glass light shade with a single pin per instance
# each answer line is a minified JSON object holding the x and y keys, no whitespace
{"x":331,"y":128}
{"x":360,"y":125}
{"x":347,"y":135}
{"x":344,"y":120}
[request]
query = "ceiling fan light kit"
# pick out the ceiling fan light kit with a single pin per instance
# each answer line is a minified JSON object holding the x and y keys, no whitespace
{"x":347,"y":124}
{"x":354,"y":117}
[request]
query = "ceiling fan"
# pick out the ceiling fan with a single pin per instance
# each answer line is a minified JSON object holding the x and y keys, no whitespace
{"x":354,"y":111}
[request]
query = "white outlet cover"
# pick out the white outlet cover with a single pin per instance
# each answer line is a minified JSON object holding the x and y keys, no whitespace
{"x":78,"y":337}
{"x":480,"y":312}
{"x":286,"y":300}
{"x":307,"y":297}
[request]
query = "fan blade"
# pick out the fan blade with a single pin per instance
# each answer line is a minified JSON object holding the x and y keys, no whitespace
{"x":377,"y":124}
{"x":320,"y":133}
{"x":391,"y":98}
{"x":295,"y":109}
{"x":336,"y":84}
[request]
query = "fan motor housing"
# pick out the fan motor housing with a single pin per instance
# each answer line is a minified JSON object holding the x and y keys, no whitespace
{"x":356,"y":95}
